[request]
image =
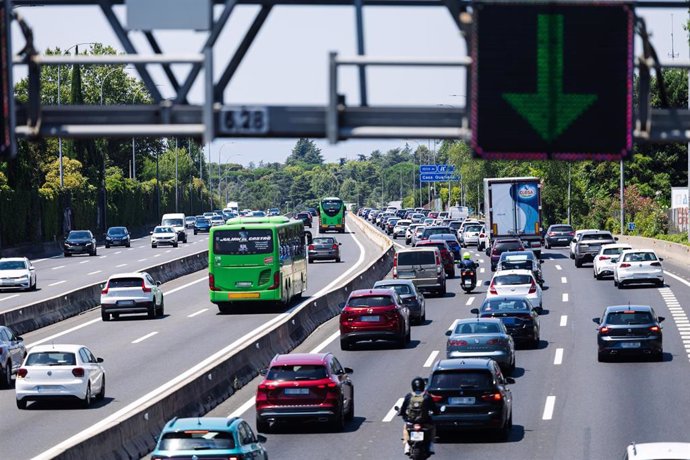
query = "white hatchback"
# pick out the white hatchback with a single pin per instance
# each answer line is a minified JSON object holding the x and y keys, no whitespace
{"x":606,"y":259}
{"x":17,"y":272}
{"x":638,"y":266}
{"x":401,"y":227}
{"x":516,"y":283}
{"x":58,"y":371}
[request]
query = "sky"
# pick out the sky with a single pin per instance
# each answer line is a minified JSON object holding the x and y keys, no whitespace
{"x":288,"y":62}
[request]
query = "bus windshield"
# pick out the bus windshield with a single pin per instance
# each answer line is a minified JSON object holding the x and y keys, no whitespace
{"x":331,"y":207}
{"x":243,"y":242}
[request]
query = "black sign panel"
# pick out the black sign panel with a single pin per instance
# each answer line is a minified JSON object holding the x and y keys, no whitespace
{"x":7,"y":137}
{"x":552,"y":81}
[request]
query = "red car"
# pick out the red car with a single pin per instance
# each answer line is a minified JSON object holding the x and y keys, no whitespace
{"x":305,"y":386}
{"x":500,"y":246}
{"x":447,"y":256}
{"x":374,"y":314}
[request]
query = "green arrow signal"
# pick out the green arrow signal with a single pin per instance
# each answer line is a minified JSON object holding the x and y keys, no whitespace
{"x":549,"y":111}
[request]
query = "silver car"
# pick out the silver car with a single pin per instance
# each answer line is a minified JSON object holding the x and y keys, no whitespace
{"x":410,"y":295}
{"x":481,"y":338}
{"x":12,"y":353}
{"x":17,"y":272}
{"x":163,"y":234}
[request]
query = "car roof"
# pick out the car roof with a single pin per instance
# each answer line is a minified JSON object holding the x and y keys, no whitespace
{"x":474,"y":320}
{"x":392,"y":282}
{"x":463,"y":363}
{"x":56,"y":347}
{"x":370,"y":292}
{"x":560,"y":225}
{"x":196,"y":423}
{"x":513,"y":272}
{"x":128,"y":275}
{"x":615,"y":245}
{"x":299,"y":358}
{"x":527,"y":254}
{"x":618,"y":308}
{"x":14,"y":259}
{"x":656,"y":450}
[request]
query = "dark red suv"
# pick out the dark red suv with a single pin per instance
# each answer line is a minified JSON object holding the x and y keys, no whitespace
{"x":501,"y":245}
{"x":447,"y":256}
{"x":303,"y":387}
{"x":374,"y":314}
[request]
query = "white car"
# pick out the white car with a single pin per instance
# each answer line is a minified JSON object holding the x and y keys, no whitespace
{"x":516,"y":283}
{"x":217,"y":220}
{"x":417,"y":234}
{"x":17,"y":273}
{"x":410,"y":231}
{"x":483,"y":240}
{"x":576,"y":238}
{"x":657,"y":450}
{"x":638,"y":266}
{"x":606,"y":259}
{"x":57,"y":371}
{"x":400,"y":228}
{"x":163,"y":234}
{"x":470,"y":234}
{"x":418,"y":218}
{"x":135,"y":292}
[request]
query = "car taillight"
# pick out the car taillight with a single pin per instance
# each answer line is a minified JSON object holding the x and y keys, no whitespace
{"x":494,"y":397}
{"x":604,"y":330}
{"x":416,"y":427}
{"x":276,"y":281}
{"x":236,"y":457}
{"x":604,"y":257}
{"x":144,"y":288}
{"x":335,"y":246}
{"x":21,"y":373}
{"x":438,"y":259}
{"x":105,"y":290}
{"x":481,"y":235}
{"x":533,"y":287}
{"x":457,"y":343}
{"x":655,"y":329}
{"x":436,"y":398}
{"x":310,"y":247}
{"x":330,"y":385}
{"x":571,"y":233}
{"x":395,"y":265}
{"x":624,"y":265}
{"x":492,"y":341}
{"x":492,"y":289}
{"x":78,"y":372}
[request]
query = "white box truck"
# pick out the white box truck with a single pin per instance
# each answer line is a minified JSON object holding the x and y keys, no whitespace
{"x":512,"y":206}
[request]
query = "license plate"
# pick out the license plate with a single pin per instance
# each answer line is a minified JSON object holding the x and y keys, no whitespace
{"x":370,"y":319}
{"x":461,"y":400}
{"x":297,"y":391}
{"x":630,"y":345}
{"x":416,"y":436}
{"x":243,"y":284}
{"x":126,"y":303}
{"x":465,"y":282}
{"x":405,"y":276}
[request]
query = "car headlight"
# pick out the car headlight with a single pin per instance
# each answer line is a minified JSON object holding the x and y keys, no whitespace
{"x":24,"y":277}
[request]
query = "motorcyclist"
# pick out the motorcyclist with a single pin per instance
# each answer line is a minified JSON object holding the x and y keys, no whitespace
{"x":468,"y":264}
{"x":428,"y":407}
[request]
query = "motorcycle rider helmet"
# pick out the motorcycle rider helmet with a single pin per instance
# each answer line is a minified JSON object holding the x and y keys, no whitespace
{"x":418,"y":384}
{"x":466,"y":256}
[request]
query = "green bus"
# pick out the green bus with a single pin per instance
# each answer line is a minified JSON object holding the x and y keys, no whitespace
{"x":257,"y":259}
{"x":331,"y":215}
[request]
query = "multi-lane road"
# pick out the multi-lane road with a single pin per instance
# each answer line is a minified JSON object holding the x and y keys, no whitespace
{"x":143,"y":355}
{"x":566,"y":404}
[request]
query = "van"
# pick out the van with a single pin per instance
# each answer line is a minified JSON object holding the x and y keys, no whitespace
{"x":423,"y":266}
{"x":176,"y":220}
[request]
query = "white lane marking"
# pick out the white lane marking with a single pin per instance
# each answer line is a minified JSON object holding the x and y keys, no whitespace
{"x":564,"y":320}
{"x":678,"y":278}
{"x":93,"y":273}
{"x":141,"y":260}
{"x":558,"y":267}
{"x":84,"y":262}
{"x":156,"y":255}
{"x":168,"y":251}
{"x":564,"y":280}
{"x":243,"y":408}
{"x":39,"y":260}
{"x":548,"y":408}
{"x":58,"y":267}
{"x":59,"y":334}
{"x":480,"y":283}
{"x":147,"y":336}
{"x":141,"y":246}
{"x":57,"y":282}
{"x":558,"y":358}
{"x":9,"y":297}
{"x":481,"y":270}
{"x":392,"y":413}
{"x":430,"y":360}
{"x":564,"y":297}
{"x":118,"y":252}
{"x":325,"y":343}
{"x":197,"y":313}
{"x":469,"y":301}
{"x":184,"y":286}
{"x":121,"y":265}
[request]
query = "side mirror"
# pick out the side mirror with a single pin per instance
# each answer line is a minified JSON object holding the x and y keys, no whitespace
{"x":19,"y":338}
{"x":32,"y":268}
{"x":348,"y":370}
{"x":340,"y":244}
{"x":426,"y":382}
{"x":263,"y":372}
{"x":261,"y":438}
{"x":475,"y":311}
{"x":510,"y":380}
{"x":574,"y":240}
{"x":397,"y":409}
{"x":597,"y":320}
{"x":158,"y":283}
{"x":449,"y":332}
{"x":99,"y":360}
{"x":661,"y":318}
{"x":150,"y":233}
{"x":661,"y":259}
{"x":615,"y":238}
{"x":541,"y":261}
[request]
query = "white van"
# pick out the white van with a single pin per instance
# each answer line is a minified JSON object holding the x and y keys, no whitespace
{"x":176,"y":220}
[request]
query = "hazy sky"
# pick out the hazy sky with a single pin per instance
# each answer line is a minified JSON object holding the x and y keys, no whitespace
{"x":287,"y":63}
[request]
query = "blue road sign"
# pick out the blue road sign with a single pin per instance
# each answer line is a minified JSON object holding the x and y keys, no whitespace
{"x":438,"y":177}
{"x":436,"y":168}
{"x":445,"y":168}
{"x":631,"y":226}
{"x":427,"y":168}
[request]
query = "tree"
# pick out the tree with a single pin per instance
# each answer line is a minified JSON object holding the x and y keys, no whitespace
{"x":305,"y":151}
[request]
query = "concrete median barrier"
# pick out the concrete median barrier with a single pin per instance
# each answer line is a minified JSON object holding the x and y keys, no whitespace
{"x":678,"y":253}
{"x":132,"y":432}
{"x":28,"y":318}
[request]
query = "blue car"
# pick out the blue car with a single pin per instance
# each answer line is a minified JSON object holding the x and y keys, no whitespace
{"x":202,"y":224}
{"x":209,"y":437}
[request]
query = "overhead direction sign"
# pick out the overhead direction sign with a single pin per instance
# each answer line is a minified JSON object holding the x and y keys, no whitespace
{"x":436,"y":168}
{"x":552,"y":80}
{"x":438,"y":177}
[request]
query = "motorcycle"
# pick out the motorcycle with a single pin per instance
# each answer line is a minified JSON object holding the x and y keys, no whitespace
{"x":419,"y":437}
{"x":468,"y":280}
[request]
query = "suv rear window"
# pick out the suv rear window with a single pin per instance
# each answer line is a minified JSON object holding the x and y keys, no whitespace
{"x":416,"y":258}
{"x":472,"y":228}
{"x":243,"y":242}
{"x":197,"y":440}
{"x":401,"y":289}
{"x":613,"y":251}
{"x":51,"y":358}
{"x":458,"y":379}
{"x":124,"y":283}
{"x":371,"y":301}
{"x":596,"y":237}
{"x":522,"y":264}
{"x":509,"y":246}
{"x":297,"y":372}
{"x":562,"y":228}
{"x":629,"y":318}
{"x":436,"y":231}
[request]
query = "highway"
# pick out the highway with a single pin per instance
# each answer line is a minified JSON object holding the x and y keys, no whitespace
{"x":58,"y":274}
{"x":566,"y":404}
{"x":141,"y":355}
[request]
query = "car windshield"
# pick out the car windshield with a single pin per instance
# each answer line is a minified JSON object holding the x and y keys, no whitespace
{"x":323,"y":241}
{"x":197,"y":439}
{"x":201,"y":220}
{"x":401,"y":289}
{"x":116,"y":231}
{"x":613,"y":251}
{"x":173,"y":222}
{"x":243,"y":242}
{"x":509,"y":246}
{"x":297,"y":372}
{"x":460,"y":379}
{"x":371,"y":301}
{"x":436,"y":231}
{"x":512,"y":279}
{"x":51,"y":358}
{"x":627,"y":318}
{"x":131,"y":282}
{"x":516,"y":264}
{"x":561,"y":228}
{"x":163,"y":230}
{"x":596,"y":237}
{"x":12,"y":265}
{"x":416,"y":258}
{"x":78,"y":235}
{"x":473,"y":228}
{"x":477,"y":328}
{"x":639,"y":257}
{"x":504,"y":304}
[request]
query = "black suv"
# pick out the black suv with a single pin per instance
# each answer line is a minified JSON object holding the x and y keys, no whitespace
{"x":589,"y":244}
{"x":558,"y":235}
{"x":471,"y":394}
{"x":79,"y":242}
{"x":629,"y":330}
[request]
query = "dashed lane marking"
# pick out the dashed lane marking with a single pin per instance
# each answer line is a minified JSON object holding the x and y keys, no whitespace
{"x":558,"y":358}
{"x":57,"y":282}
{"x":93,"y":273}
{"x":243,"y":408}
{"x":564,"y":280}
{"x":9,"y":297}
{"x":84,"y":262}
{"x":469,"y":301}
{"x":392,"y":412}
{"x":121,"y":265}
{"x":430,"y":360}
{"x":319,"y":348}
{"x":58,"y":267}
{"x":147,"y":336}
{"x":564,"y":320}
{"x":197,"y":313}
{"x":558,"y":267}
{"x":481,"y":270}
{"x":548,"y":408}
{"x":564,"y":297}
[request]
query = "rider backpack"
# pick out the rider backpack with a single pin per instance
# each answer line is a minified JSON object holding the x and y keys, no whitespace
{"x":414,"y":412}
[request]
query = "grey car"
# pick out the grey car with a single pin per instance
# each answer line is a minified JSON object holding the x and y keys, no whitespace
{"x":12,"y":353}
{"x":481,"y":338}
{"x":410,"y":295}
{"x":324,"y":248}
{"x":588,"y":245}
{"x":423,"y":266}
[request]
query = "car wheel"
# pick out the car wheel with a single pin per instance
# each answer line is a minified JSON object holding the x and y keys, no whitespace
{"x":572,"y":256}
{"x":175,"y":244}
{"x":262,"y":426}
{"x":422,"y":320}
{"x":601,"y":357}
{"x":511,"y":368}
{"x":152,"y":312}
{"x":105,"y":316}
{"x":535,"y":341}
{"x":67,"y":254}
{"x":107,"y":246}
{"x":452,"y":274}
{"x":546,"y":245}
{"x":153,"y":245}
{"x":619,"y":285}
{"x":161,"y":308}
{"x":504,"y":432}
{"x":443,"y":289}
{"x":311,"y":261}
{"x":195,"y":232}
{"x":339,"y":420}
{"x":578,"y":263}
{"x":337,"y":260}
{"x":408,"y":336}
{"x":659,"y":283}
{"x":350,"y":414}
{"x":345,"y":345}
{"x":101,"y":394}
{"x":659,"y":356}
{"x":86,"y":402}
{"x":129,"y":245}
{"x":6,"y":375}
{"x":21,"y":404}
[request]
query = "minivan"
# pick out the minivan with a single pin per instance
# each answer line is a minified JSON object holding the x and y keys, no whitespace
{"x":423,"y":266}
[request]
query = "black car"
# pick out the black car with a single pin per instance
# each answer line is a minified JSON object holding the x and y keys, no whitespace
{"x":629,"y":330}
{"x":313,"y":212}
{"x":117,"y":236}
{"x":517,"y":313}
{"x":323,"y":248}
{"x":471,"y":394}
{"x":79,"y":242}
{"x":202,"y":224}
{"x":558,"y":235}
{"x":305,"y":217}
{"x":410,"y":295}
